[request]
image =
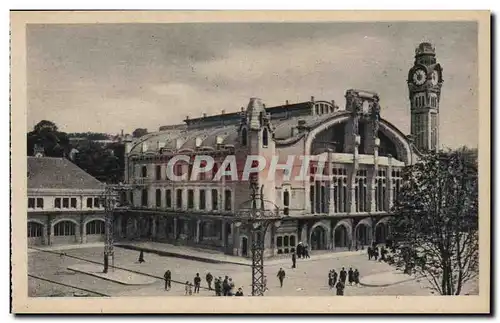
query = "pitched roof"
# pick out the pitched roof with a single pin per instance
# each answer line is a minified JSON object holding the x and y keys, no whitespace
{"x":59,"y":173}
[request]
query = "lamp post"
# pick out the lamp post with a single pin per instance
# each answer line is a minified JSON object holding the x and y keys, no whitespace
{"x":110,"y":198}
{"x":258,"y":220}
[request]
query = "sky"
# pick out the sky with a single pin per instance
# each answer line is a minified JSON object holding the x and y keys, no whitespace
{"x":109,"y":77}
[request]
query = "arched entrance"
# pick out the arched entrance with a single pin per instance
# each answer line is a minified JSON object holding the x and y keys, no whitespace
{"x":318,"y":238}
{"x":363,"y":234}
{"x":244,"y":246}
{"x":341,"y":237}
{"x":381,"y":232}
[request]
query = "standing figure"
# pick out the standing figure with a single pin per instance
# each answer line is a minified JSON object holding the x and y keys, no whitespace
{"x":334,"y":277}
{"x":218,"y":286}
{"x":141,"y":257}
{"x":369,"y":253}
{"x":168,"y":280}
{"x":299,"y":250}
{"x":265,"y":283}
{"x":343,"y":275}
{"x":350,"y":276}
{"x":197,"y":282}
{"x":306,"y":251}
{"x":375,"y":253}
{"x":340,"y":288}
{"x":281,"y":276}
{"x":231,"y":287}
{"x":187,"y":288}
{"x":330,"y":279}
{"x":356,"y":277}
{"x":225,"y":286}
{"x":209,"y":279}
{"x":294,"y":259}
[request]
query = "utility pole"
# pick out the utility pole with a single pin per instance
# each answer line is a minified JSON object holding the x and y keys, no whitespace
{"x":110,"y":198}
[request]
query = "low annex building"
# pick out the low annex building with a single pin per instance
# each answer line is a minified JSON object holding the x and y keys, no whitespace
{"x":349,"y":204}
{"x":64,"y":203}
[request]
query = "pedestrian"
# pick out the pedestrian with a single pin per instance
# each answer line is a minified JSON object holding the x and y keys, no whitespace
{"x":375,"y":253}
{"x":209,"y":279}
{"x":356,"y":277}
{"x":231,"y":287}
{"x":168,"y":280}
{"x":306,"y":251}
{"x":340,"y":288}
{"x":190,"y":289}
{"x":299,"y":249}
{"x":197,"y":282}
{"x":239,"y":292}
{"x":370,"y":253}
{"x":281,"y":276}
{"x":141,"y":257}
{"x":350,"y":276}
{"x":264,"y":281}
{"x":343,"y":275}
{"x":334,"y":278}
{"x":294,"y":259}
{"x":330,"y":279}
{"x":187,"y":287}
{"x":218,"y":286}
{"x":225,"y":286}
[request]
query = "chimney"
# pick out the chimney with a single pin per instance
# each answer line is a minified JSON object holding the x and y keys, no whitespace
{"x":242,"y":109}
{"x":204,"y":115}
{"x":264,"y":105}
{"x":223,"y":111}
{"x":187,"y":117}
{"x":286,"y":102}
{"x":122,"y":133}
{"x":312,"y":99}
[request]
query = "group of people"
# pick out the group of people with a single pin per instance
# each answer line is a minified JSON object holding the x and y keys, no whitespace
{"x":338,"y":281}
{"x":302,"y":250}
{"x":221,"y":287}
{"x":377,"y":253}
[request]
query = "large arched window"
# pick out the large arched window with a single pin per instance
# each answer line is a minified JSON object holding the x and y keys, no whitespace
{"x":244,"y":137}
{"x":35,"y":230}
{"x":64,"y":228}
{"x":265,"y":137}
{"x":95,"y":227}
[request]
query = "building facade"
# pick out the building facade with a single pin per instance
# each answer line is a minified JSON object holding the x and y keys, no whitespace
{"x":64,"y":203}
{"x":353,"y":173}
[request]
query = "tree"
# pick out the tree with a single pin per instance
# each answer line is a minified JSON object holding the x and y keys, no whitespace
{"x":436,"y":220}
{"x":47,"y":135}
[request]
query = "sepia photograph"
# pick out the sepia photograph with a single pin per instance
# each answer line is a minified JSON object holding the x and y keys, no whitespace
{"x":195,"y":157}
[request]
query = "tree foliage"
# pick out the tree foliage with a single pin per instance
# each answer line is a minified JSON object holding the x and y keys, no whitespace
{"x":139,"y":132}
{"x":436,"y":220}
{"x":104,"y":162}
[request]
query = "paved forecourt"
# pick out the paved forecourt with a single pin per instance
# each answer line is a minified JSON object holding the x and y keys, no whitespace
{"x":308,"y":279}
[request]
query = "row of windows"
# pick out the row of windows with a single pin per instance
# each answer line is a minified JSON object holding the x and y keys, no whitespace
{"x":179,"y":196}
{"x":33,"y":205}
{"x":66,"y":202}
{"x":180,"y":170}
{"x":66,"y":228}
{"x":324,"y":108}
{"x":285,"y":244}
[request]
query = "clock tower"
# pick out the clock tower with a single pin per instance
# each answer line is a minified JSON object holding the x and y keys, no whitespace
{"x":425,"y":79}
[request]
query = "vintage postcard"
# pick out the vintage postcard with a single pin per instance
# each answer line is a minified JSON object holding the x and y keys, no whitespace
{"x":250,"y":162}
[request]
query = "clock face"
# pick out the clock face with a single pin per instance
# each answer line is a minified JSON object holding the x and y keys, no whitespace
{"x":419,"y":77}
{"x":434,"y":78}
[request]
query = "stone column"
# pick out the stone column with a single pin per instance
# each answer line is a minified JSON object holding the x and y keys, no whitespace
{"x":223,"y":234}
{"x":175,"y":228}
{"x":197,"y":237}
{"x":390,"y":189}
{"x":82,"y":229}
{"x":49,"y":230}
{"x":352,"y":179}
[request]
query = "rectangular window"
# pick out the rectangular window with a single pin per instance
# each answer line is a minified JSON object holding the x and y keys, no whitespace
{"x":202,"y":200}
{"x":57,"y":202}
{"x":31,"y":203}
{"x":89,"y":202}
{"x":179,"y":199}
{"x":158,"y":172}
{"x":65,"y":203}
{"x":131,"y":198}
{"x":39,"y":203}
{"x":190,"y":199}
{"x":168,"y":198}
{"x":215,"y":197}
{"x":96,"y":202}
{"x":227,"y":200}
{"x":73,"y":202}
{"x":158,"y":197}
{"x":144,"y":198}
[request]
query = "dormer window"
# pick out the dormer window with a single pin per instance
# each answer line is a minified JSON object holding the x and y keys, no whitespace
{"x":198,"y":142}
{"x":144,"y":146}
{"x":265,"y":137}
{"x":244,"y":137}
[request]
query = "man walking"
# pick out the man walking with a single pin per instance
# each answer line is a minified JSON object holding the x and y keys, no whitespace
{"x":334,"y":278}
{"x":209,"y":279}
{"x":168,"y":280}
{"x":343,"y":276}
{"x":294,"y":259}
{"x":356,"y":277}
{"x":197,"y":282}
{"x":225,"y":286}
{"x":281,"y":276}
{"x":350,"y":275}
